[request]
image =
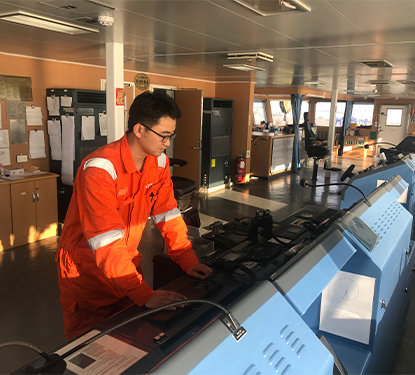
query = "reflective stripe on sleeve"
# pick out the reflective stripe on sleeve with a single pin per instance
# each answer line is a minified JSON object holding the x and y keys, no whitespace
{"x":166,"y":216}
{"x":105,"y":239}
{"x":103,"y":164}
{"x":162,"y":160}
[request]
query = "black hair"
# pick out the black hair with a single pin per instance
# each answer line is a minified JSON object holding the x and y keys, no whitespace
{"x":149,"y":107}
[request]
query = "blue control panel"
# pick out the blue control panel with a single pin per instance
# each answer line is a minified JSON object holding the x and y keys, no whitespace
{"x":367,"y":181}
{"x":372,"y":240}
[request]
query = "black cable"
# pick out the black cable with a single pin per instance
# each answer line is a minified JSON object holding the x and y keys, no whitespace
{"x":26,"y":345}
{"x":284,"y":244}
{"x":135,"y":317}
{"x":305,"y":183}
{"x":253,"y":278}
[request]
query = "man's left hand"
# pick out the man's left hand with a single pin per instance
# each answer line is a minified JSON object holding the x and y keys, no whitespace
{"x":199,"y":271}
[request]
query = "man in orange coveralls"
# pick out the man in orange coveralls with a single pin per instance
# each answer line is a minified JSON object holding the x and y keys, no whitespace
{"x":116,"y":189}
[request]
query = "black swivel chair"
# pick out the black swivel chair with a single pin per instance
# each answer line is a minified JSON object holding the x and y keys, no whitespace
{"x":313,"y":145}
{"x":184,"y":190}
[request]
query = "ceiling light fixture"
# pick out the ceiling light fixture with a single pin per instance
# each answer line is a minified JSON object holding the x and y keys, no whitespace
{"x":250,"y":55}
{"x":34,"y":20}
{"x":270,"y":8}
{"x":314,"y":83}
{"x":316,"y":96}
{"x":244,"y":67}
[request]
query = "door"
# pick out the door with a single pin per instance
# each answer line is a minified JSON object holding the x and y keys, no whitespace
{"x":187,"y":144}
{"x":46,"y":208}
{"x":393,"y":125}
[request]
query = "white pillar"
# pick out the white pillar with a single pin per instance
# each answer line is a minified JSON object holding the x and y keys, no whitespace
{"x":115,"y":80}
{"x":332,"y":123}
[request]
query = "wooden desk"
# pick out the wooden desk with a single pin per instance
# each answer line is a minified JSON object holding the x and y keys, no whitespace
{"x":354,"y":145}
{"x":29,"y":209}
{"x":271,"y":155}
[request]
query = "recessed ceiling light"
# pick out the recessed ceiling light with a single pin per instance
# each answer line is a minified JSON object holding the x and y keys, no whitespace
{"x":34,"y":20}
{"x":243,"y":67}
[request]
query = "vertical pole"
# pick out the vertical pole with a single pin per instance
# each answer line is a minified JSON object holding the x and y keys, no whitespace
{"x":115,"y":80}
{"x":332,"y":123}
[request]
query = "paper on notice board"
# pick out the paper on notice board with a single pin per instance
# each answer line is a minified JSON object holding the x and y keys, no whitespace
{"x":107,"y":355}
{"x":66,"y":101}
{"x":53,"y":105}
{"x":103,"y":124}
{"x":0,"y":115}
{"x":16,"y":109}
{"x":37,"y":144}
{"x":68,"y":149}
{"x":346,"y":306}
{"x":33,"y":116}
{"x":5,"y":156}
{"x":4,"y":138}
{"x":54,"y":132}
{"x":88,"y":128}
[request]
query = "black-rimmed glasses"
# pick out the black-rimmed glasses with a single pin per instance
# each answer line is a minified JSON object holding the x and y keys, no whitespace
{"x":164,"y":138}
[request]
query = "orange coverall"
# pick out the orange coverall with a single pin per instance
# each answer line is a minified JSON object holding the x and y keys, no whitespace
{"x":97,"y":259}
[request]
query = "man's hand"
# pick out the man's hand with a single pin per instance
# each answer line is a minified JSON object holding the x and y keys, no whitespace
{"x":199,"y":271}
{"x":163,"y":297}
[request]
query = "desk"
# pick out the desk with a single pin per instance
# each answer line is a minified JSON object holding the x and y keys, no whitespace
{"x":271,"y":154}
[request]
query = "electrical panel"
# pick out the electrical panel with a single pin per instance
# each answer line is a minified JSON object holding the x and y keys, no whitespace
{"x":216,"y":142}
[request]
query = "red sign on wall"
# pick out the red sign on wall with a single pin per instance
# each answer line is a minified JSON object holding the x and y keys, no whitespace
{"x":119,"y":96}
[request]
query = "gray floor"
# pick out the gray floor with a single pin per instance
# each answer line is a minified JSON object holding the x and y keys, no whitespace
{"x":29,"y":291}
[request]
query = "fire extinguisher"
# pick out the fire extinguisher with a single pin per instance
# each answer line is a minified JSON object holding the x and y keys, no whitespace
{"x":240,"y":163}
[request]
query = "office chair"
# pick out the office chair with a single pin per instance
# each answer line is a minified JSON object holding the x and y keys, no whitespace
{"x":314,"y":146}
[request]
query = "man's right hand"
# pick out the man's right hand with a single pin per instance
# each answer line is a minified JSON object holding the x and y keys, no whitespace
{"x":164,"y":297}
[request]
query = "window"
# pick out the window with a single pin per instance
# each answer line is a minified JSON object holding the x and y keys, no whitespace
{"x":281,"y":118}
{"x":322,"y":117}
{"x":362,"y":114}
{"x":260,"y":113}
{"x":394,"y":117}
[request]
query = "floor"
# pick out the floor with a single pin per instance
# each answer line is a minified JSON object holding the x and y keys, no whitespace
{"x":29,"y":291}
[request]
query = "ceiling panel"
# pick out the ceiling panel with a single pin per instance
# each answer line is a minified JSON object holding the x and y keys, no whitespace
{"x":191,"y":38}
{"x":382,"y":20}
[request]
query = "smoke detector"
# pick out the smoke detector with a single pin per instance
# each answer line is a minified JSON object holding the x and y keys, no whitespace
{"x":106,"y":20}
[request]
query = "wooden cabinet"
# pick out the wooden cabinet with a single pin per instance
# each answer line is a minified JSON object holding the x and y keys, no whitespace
{"x":33,"y":208}
{"x":271,"y":155}
{"x":6,"y":239}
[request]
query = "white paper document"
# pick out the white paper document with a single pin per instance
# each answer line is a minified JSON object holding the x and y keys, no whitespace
{"x":0,"y":115}
{"x":54,"y":132}
{"x":66,"y":101}
{"x":33,"y":116}
{"x":103,"y":124}
{"x":68,"y":149}
{"x":4,"y":138}
{"x":53,"y":105}
{"x":5,"y":156}
{"x":346,"y":306}
{"x":37,"y":144}
{"x":88,"y":128}
{"x":107,"y":355}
